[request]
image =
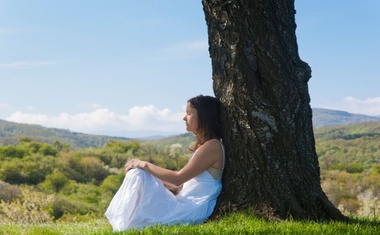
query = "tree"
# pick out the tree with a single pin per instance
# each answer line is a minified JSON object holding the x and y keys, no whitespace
{"x":175,"y":150}
{"x":55,"y":181}
{"x":271,"y":165}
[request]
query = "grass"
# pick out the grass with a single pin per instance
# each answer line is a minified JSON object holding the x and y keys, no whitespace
{"x":234,"y":223}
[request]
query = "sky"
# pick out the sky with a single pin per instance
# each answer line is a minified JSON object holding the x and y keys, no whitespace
{"x":127,"y":68}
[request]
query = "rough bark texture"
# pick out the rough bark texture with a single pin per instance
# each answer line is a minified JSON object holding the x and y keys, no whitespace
{"x":271,"y":164}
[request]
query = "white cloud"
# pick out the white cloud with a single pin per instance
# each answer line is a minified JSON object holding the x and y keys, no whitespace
{"x":103,"y":120}
{"x":369,"y":106}
{"x":26,"y":65}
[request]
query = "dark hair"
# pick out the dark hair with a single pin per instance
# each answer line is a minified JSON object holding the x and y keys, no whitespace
{"x":209,"y":118}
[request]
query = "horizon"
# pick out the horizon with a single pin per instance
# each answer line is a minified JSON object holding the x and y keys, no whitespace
{"x":150,"y":134}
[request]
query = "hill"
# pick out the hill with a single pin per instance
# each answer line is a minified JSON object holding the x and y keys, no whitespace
{"x":348,"y":131}
{"x":10,"y":133}
{"x":186,"y":140}
{"x":328,"y":117}
{"x":329,"y":125}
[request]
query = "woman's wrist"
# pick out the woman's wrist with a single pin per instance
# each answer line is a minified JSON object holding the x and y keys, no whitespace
{"x":143,"y":165}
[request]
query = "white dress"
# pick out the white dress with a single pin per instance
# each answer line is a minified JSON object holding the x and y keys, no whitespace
{"x":142,"y":200}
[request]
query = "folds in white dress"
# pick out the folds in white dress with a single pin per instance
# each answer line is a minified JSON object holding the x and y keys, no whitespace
{"x":142,"y":200}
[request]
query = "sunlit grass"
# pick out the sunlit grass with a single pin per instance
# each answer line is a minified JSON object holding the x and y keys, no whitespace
{"x":235,"y":223}
{"x":91,"y":227}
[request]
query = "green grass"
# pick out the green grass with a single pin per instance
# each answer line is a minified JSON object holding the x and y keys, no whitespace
{"x":235,"y":223}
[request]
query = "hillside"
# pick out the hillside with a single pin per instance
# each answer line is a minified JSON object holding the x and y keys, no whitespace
{"x":348,"y":131}
{"x":10,"y":133}
{"x":355,"y":146}
{"x":349,"y":161}
{"x":186,"y":140}
{"x":328,"y":117}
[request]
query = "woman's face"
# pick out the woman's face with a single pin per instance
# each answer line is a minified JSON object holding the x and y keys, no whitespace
{"x":191,"y":118}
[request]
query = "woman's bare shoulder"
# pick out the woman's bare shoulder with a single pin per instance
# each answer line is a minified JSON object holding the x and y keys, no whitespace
{"x":213,"y":143}
{"x":213,"y":146}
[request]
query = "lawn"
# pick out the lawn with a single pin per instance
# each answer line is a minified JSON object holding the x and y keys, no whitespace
{"x":235,"y":223}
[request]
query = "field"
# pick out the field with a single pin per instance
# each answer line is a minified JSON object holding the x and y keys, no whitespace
{"x":53,"y":189}
{"x":234,"y":223}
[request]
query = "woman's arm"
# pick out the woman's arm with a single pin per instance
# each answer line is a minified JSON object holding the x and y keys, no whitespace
{"x":209,"y":154}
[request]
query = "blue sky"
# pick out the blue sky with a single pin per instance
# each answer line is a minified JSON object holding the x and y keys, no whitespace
{"x":127,"y":68}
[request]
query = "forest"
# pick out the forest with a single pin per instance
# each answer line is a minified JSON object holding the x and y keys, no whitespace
{"x":349,"y":160}
{"x":43,"y":182}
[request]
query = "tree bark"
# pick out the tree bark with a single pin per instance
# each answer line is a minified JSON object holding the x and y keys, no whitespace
{"x":271,"y":165}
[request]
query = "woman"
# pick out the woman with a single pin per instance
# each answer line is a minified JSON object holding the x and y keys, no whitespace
{"x":143,"y":200}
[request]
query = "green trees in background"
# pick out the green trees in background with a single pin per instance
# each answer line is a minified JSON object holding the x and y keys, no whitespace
{"x":81,"y":182}
{"x":31,"y":169}
{"x":54,"y":182}
{"x":349,"y":158}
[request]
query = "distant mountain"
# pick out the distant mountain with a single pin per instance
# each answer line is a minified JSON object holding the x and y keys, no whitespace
{"x":10,"y":133}
{"x":328,"y":117}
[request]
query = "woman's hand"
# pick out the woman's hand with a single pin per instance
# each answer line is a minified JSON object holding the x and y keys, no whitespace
{"x":134,"y":163}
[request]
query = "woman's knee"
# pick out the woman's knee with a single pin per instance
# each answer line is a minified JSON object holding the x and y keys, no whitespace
{"x":135,"y":174}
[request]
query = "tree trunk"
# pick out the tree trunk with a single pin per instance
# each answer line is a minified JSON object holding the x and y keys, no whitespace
{"x":271,"y":165}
